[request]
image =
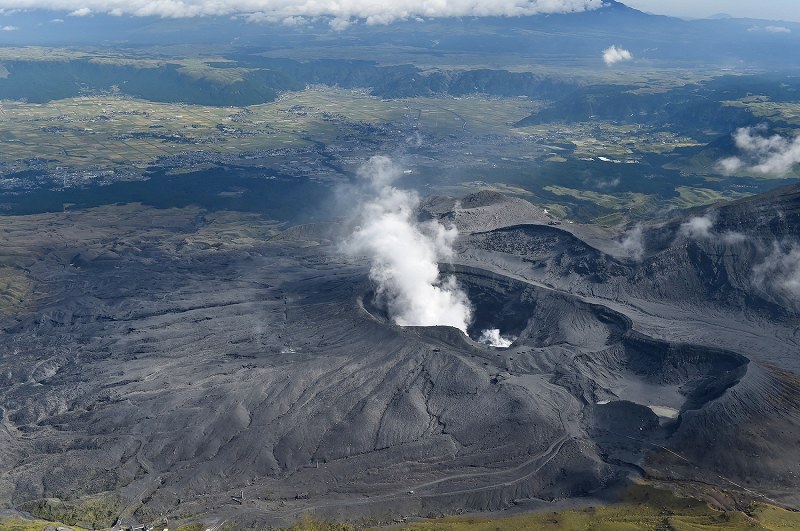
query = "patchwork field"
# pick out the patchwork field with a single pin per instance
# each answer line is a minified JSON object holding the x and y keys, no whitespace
{"x":609,"y":172}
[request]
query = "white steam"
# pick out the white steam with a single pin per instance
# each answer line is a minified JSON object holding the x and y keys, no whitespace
{"x":698,"y":228}
{"x":404,"y":254}
{"x":492,"y":337}
{"x":340,"y":13}
{"x":632,"y":243}
{"x":615,"y":54}
{"x":779,"y":273}
{"x":767,"y":155}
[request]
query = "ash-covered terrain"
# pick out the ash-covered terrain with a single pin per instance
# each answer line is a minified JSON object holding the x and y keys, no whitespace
{"x":577,"y":270}
{"x":211,"y":367}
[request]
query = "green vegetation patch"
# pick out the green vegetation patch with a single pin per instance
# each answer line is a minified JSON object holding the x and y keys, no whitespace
{"x":23,"y":524}
{"x":632,"y":201}
{"x":39,"y":53}
{"x":309,"y":523}
{"x":232,"y":230}
{"x":559,"y":211}
{"x":643,"y":508}
{"x":762,"y":107}
{"x":14,"y":290}
{"x":95,"y":512}
{"x":611,"y":220}
{"x":691,"y":197}
{"x":200,"y":69}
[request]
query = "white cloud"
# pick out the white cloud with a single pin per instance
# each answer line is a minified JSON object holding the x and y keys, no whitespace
{"x":697,"y":228}
{"x":342,"y":12}
{"x":10,"y":28}
{"x":702,"y":228}
{"x":632,"y":243}
{"x":770,"y":29}
{"x":294,"y":21}
{"x":340,"y":23}
{"x":608,"y":183}
{"x":779,"y":273}
{"x":767,"y":155}
{"x":615,"y":54}
{"x":731,"y":237}
{"x":57,"y":21}
{"x":777,"y":29}
{"x":730,"y":165}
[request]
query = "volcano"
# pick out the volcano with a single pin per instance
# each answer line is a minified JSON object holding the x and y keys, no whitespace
{"x":171,"y":377}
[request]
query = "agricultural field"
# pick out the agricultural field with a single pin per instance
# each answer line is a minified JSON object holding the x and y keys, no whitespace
{"x":610,"y":172}
{"x":111,"y":131}
{"x":763,"y":107}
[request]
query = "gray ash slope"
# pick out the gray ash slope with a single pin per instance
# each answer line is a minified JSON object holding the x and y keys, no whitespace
{"x":708,"y":274}
{"x":700,"y":287}
{"x":170,"y":376}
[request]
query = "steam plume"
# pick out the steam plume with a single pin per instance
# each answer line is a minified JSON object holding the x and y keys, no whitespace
{"x":404,"y":254}
{"x":632,"y":243}
{"x":492,"y":337}
{"x":779,"y":273}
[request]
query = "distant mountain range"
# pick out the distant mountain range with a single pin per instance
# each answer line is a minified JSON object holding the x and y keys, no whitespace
{"x":653,"y":40}
{"x":471,"y":55}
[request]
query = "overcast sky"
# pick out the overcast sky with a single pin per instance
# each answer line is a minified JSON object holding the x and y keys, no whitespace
{"x":763,"y":9}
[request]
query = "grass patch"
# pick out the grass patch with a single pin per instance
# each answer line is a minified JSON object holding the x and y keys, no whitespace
{"x":559,"y":211}
{"x":772,"y":517}
{"x":630,"y":201}
{"x":200,"y":69}
{"x":310,"y":523}
{"x":95,"y":512}
{"x":690,"y":197}
{"x":14,"y":290}
{"x":22,"y":524}
{"x":611,"y":220}
{"x":232,"y":229}
{"x":643,"y":508}
{"x":762,"y":107}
